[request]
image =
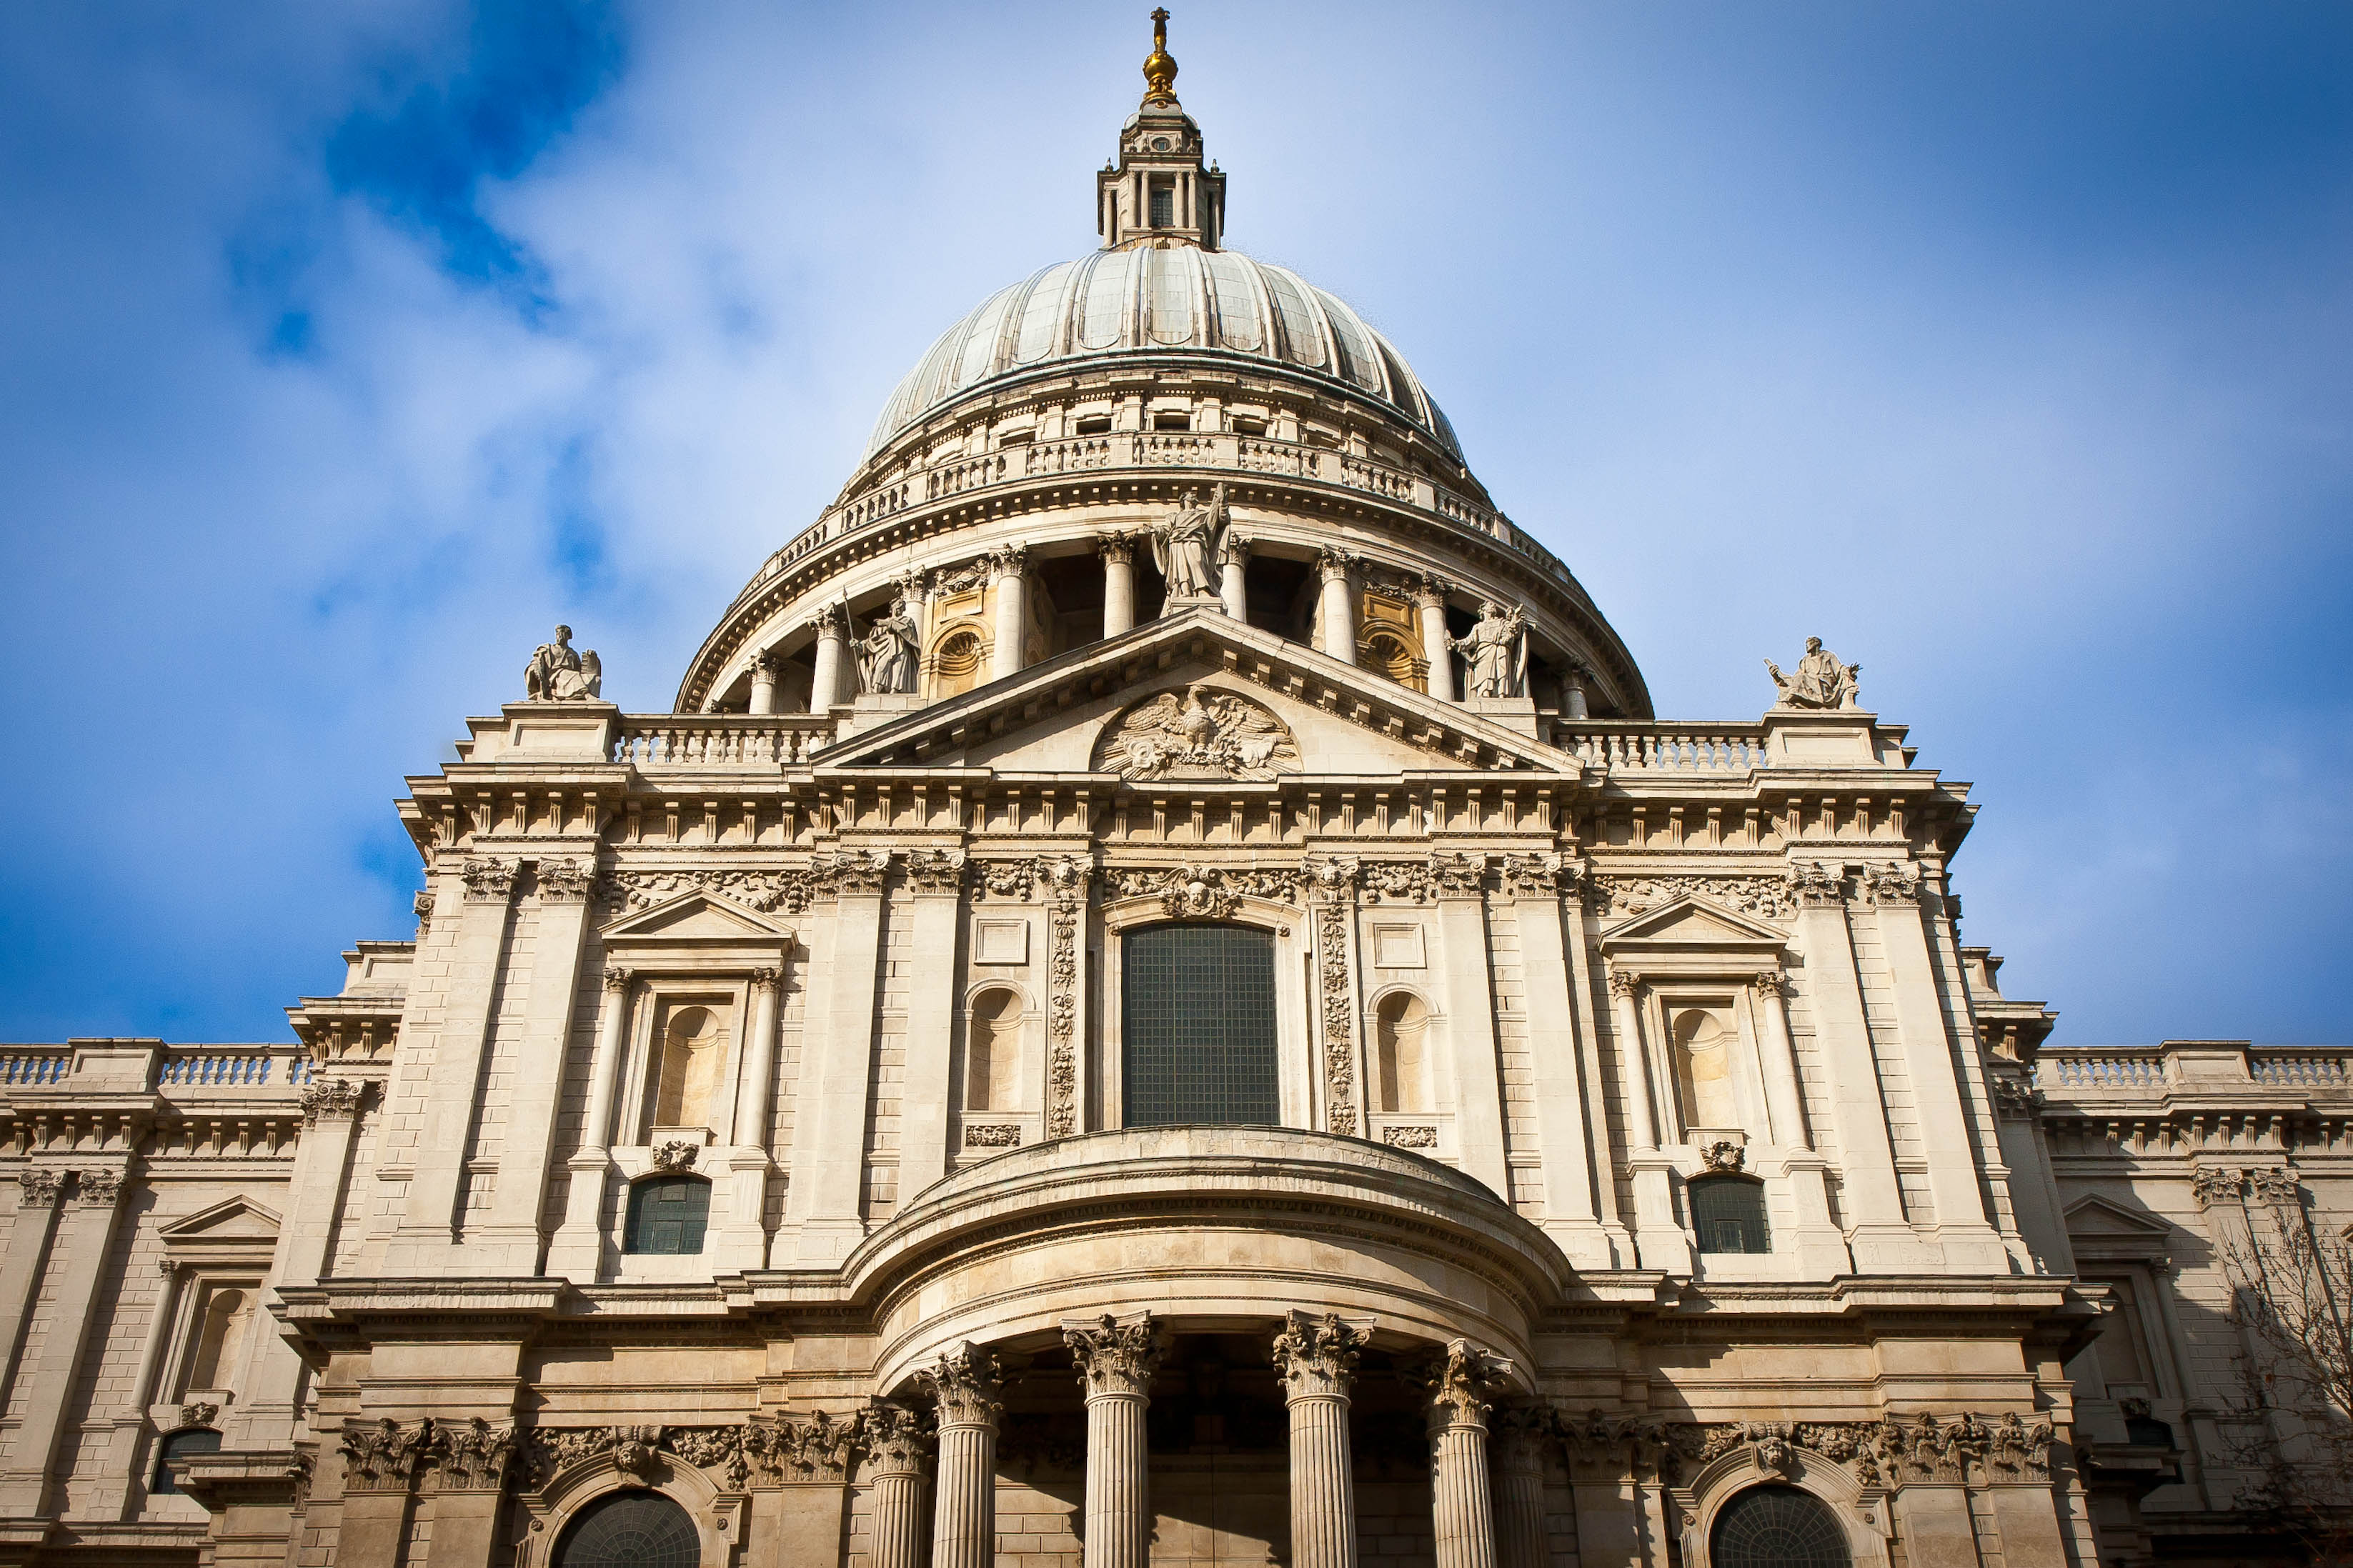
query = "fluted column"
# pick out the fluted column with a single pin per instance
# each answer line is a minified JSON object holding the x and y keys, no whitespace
{"x":1633,"y":1071}
{"x":1781,"y":1093}
{"x":1338,"y":604}
{"x":1012,"y":592}
{"x":1119,"y":583}
{"x":964,"y":1513}
{"x":1115,"y":1359}
{"x":1429,"y":601}
{"x":826,"y":687}
{"x":755,"y":1092}
{"x":1315,"y":1358}
{"x":1233,"y":578}
{"x":763,"y":683}
{"x":896,"y":1447}
{"x":1521,"y":1432}
{"x":1461,"y":1381}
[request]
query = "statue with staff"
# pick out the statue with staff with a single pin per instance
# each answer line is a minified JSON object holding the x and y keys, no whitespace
{"x":1187,"y":546}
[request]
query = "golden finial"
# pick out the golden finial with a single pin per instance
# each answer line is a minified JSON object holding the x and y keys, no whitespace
{"x":1159,"y":66}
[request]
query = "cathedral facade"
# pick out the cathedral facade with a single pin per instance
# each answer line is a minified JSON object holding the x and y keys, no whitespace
{"x":1162,"y":999}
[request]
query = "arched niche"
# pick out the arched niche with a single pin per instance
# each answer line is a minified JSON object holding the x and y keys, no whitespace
{"x":1862,"y":1511}
{"x":718,"y":1515}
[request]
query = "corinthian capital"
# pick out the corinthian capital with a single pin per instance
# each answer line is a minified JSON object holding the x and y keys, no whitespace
{"x":1623,"y":983}
{"x":1460,"y":1382}
{"x":1115,"y":1355}
{"x":1316,"y":1357}
{"x":964,"y":1384}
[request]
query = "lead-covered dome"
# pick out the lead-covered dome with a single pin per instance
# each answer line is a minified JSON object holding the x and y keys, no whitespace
{"x":1162,"y":300}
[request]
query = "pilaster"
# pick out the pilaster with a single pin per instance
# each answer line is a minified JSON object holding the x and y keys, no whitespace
{"x":508,"y":1242}
{"x":577,"y":1253}
{"x":829,"y":1141}
{"x":1471,"y":1019}
{"x":1571,"y":1219}
{"x":936,"y":878}
{"x":84,"y":1240}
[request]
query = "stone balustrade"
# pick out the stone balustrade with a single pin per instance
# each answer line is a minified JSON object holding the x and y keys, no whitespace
{"x":141,"y":1066}
{"x":720,"y":740}
{"x":1634,"y":744}
{"x":2179,"y":1067}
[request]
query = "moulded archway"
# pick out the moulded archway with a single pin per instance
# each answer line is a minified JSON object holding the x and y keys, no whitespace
{"x":548,"y":1514}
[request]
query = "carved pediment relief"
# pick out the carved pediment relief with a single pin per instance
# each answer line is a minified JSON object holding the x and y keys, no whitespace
{"x":1203,"y":733}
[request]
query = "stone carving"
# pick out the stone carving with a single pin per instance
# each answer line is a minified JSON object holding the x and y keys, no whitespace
{"x":1330,"y":879}
{"x":820,"y":1446}
{"x":676,"y":1155}
{"x":472,"y":1455}
{"x":1821,"y":681}
{"x":558,"y":674}
{"x":1116,"y":1356}
{"x":1397,"y":881}
{"x":1204,"y":735}
{"x":1317,"y":1356}
{"x":787,"y":889}
{"x":634,"y":1450}
{"x":887,"y":655}
{"x":717,"y":1449}
{"x":2212,"y":1184}
{"x":1067,"y":880}
{"x":893,"y":1439}
{"x":935,"y":870}
{"x":1496,"y":652}
{"x":1624,"y":983}
{"x":993,"y":1135}
{"x":335,"y":1099}
{"x":957,"y":579}
{"x":567,"y":881}
{"x":1339,"y":1016}
{"x":1461,"y":1381}
{"x":1456,"y":874}
{"x":487,"y":880}
{"x":2276,"y":1186}
{"x":381,"y":1455}
{"x":616,"y":978}
{"x":1724,"y":1156}
{"x":767,"y":978}
{"x":98,"y":1187}
{"x":40,"y":1187}
{"x":1419,"y":1137}
{"x":849,"y":872}
{"x":1004,"y":880}
{"x":198,"y":1413}
{"x":964,"y":1385}
{"x":1009,"y":561}
{"x":2014,"y":1100}
{"x":1814,"y":886}
{"x":423,"y":906}
{"x":1759,"y":898}
{"x":1887,"y":1453}
{"x":1116,"y":548}
{"x":1536,"y":876}
{"x":1203,"y":892}
{"x":1890,"y":887}
{"x":1187,"y":548}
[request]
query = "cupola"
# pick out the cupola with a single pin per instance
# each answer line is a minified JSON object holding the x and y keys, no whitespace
{"x":1158,"y":194}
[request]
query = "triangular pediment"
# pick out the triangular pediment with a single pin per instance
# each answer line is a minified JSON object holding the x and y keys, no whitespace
{"x":2097,"y":1217}
{"x":1692,"y":921}
{"x":1277,"y":706}
{"x":699,"y":917}
{"x":236,"y":1227}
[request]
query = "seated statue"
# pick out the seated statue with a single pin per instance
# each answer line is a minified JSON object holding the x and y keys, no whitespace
{"x":1821,"y":681}
{"x":557,"y":673}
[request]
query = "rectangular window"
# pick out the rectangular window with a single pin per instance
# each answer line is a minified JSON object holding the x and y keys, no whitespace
{"x":1094,"y":425}
{"x":1197,"y":1017}
{"x":1163,"y":205}
{"x":1172,"y":421}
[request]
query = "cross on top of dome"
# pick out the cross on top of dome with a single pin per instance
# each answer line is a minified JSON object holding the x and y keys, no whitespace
{"x":1158,"y":194}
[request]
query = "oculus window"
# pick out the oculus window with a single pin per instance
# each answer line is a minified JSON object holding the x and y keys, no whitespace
{"x":631,"y":1530}
{"x":1728,"y":1215}
{"x":1197,"y":1027}
{"x":667,"y":1215}
{"x":1779,"y":1527}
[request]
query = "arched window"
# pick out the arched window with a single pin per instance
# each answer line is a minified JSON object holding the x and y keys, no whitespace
{"x":992,"y":1050}
{"x":693,"y":1055}
{"x":630,"y":1529}
{"x":180,"y":1445}
{"x":219,"y":1334}
{"x":1402,"y":1030}
{"x":667,"y":1215}
{"x":1779,"y":1527}
{"x":1728,"y":1215}
{"x":1197,"y":1027}
{"x":955,"y":662}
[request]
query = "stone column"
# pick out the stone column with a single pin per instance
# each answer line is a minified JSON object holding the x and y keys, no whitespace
{"x":896,"y":1447}
{"x":1429,"y":602}
{"x":1460,"y":1382}
{"x":1119,"y":583}
{"x":755,"y":1093}
{"x":1633,"y":1070}
{"x":1338,"y":604}
{"x":826,"y":687}
{"x":1115,"y":1359}
{"x":469,"y":1459}
{"x":1783,"y":1099}
{"x":1011,"y":588}
{"x":742,"y":1237}
{"x":964,"y":1515}
{"x":1535,"y":882}
{"x":1521,"y":1432}
{"x":1233,"y":577}
{"x":763,"y":682}
{"x":77,"y":1258}
{"x":577,"y":1251}
{"x":1315,"y":1358}
{"x":1659,"y":1241}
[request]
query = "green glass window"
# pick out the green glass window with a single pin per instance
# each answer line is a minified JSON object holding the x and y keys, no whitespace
{"x":1197,"y":1027}
{"x":1728,"y":1215}
{"x":667,"y":1215}
{"x":1779,"y":1527}
{"x":630,"y":1529}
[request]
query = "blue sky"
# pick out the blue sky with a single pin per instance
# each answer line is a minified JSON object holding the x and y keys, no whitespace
{"x":2008,"y":348}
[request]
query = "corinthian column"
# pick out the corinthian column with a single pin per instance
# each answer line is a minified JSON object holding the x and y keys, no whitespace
{"x":1338,"y":604}
{"x":1521,"y":1433}
{"x":1115,"y":1360}
{"x":1316,"y":1360}
{"x":1233,"y":577}
{"x":1429,"y":602}
{"x":1011,"y":589}
{"x":1462,"y":1510}
{"x":832,"y":655}
{"x":964,"y":1515}
{"x":895,"y":1449}
{"x":1119,"y":583}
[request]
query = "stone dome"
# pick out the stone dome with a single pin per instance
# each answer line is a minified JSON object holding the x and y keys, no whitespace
{"x":1162,"y":301}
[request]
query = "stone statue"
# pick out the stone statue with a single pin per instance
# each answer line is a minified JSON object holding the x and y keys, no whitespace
{"x":1821,"y":681}
{"x":1187,"y":547}
{"x":886,"y":658}
{"x":558,"y":674}
{"x":1494,"y":651}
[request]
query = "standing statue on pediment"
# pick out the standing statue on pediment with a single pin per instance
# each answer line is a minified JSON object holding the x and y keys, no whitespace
{"x":1821,"y":680}
{"x":1189,"y":546}
{"x":557,"y":673}
{"x":1496,"y":652}
{"x":886,"y":657}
